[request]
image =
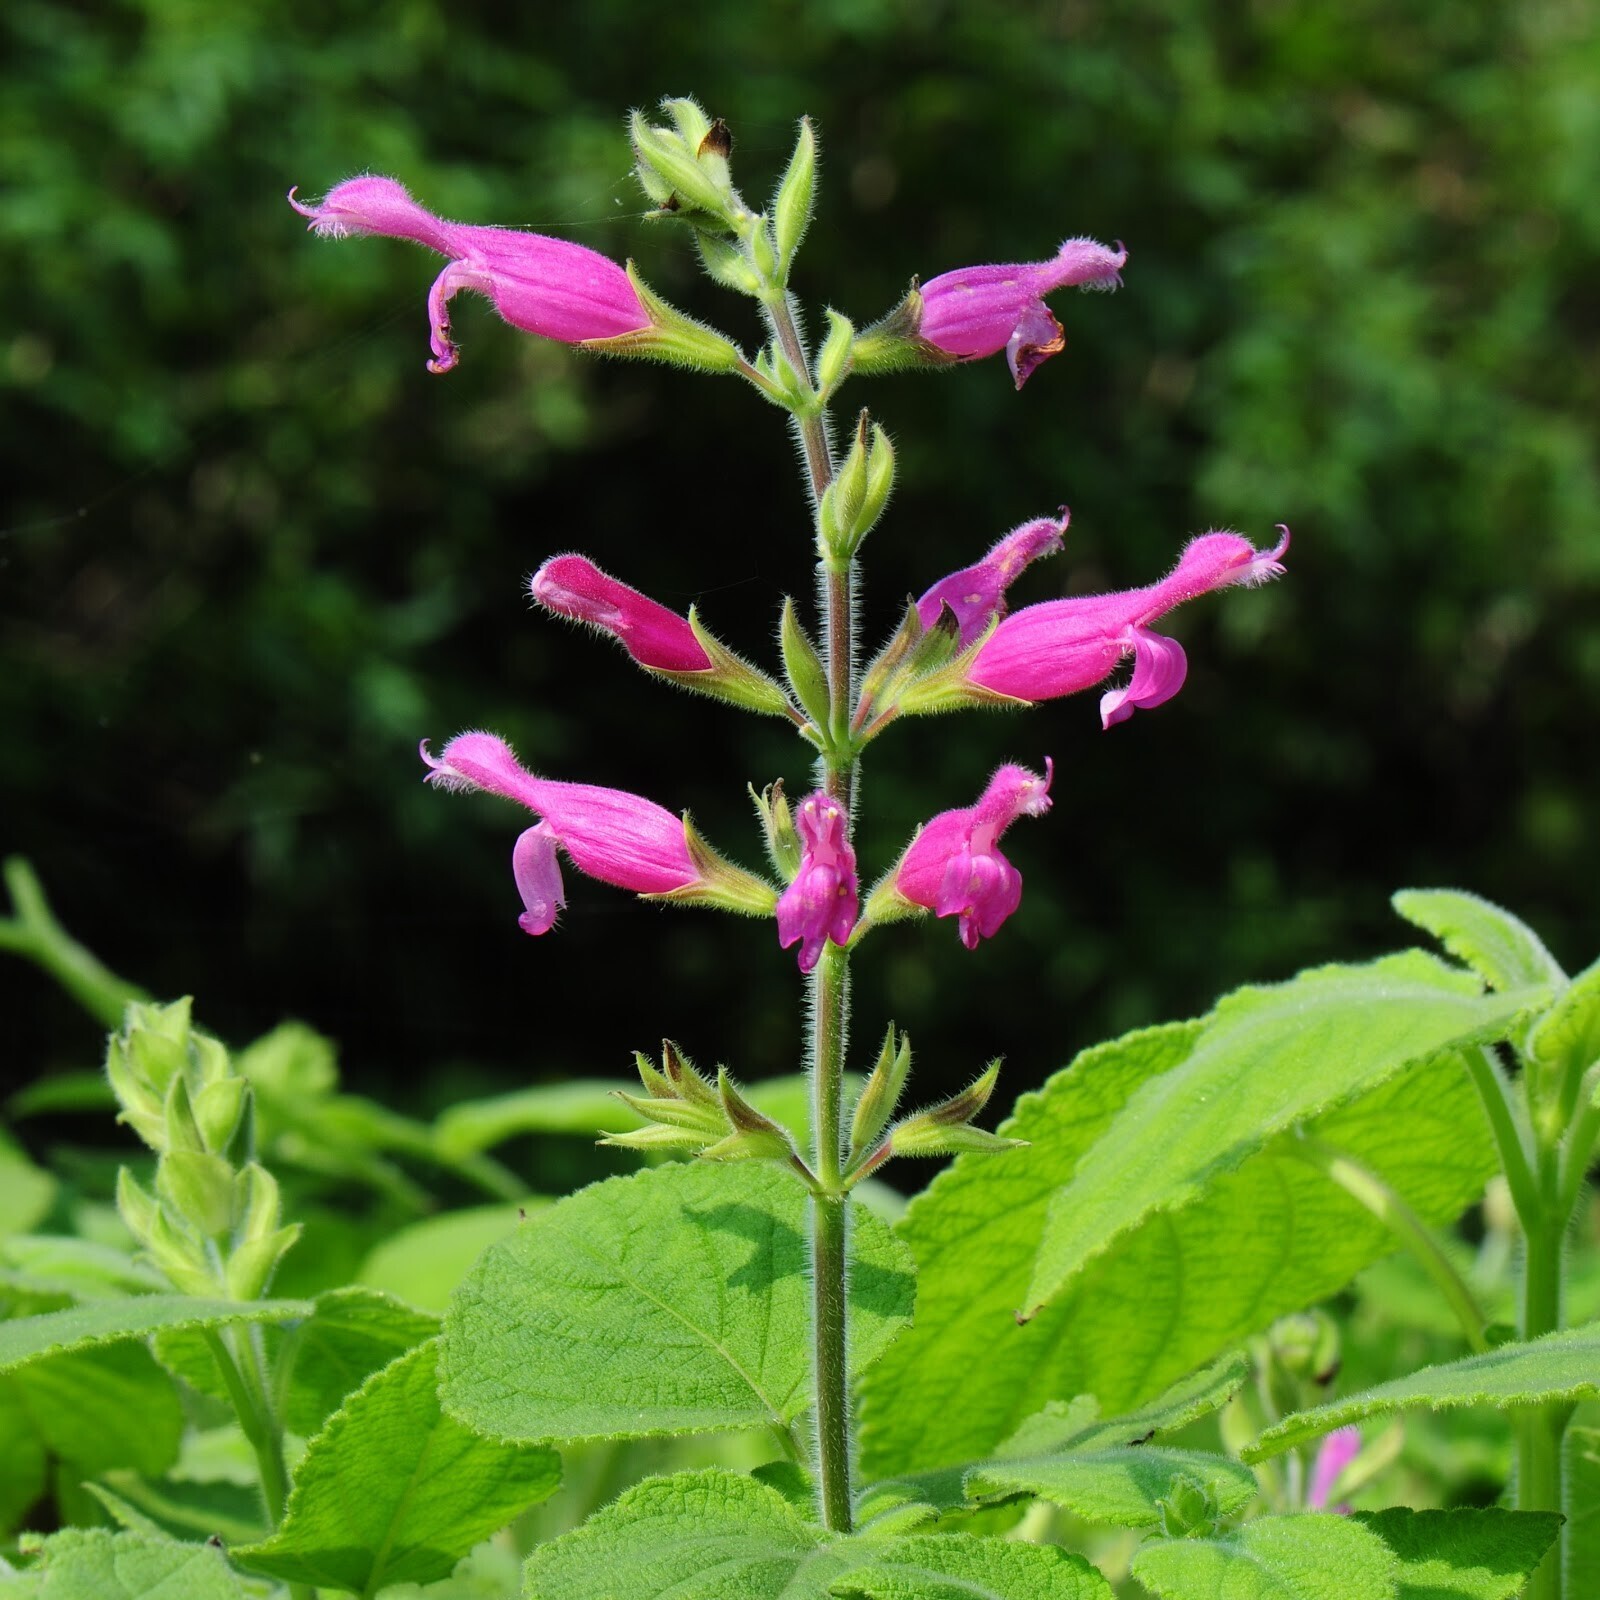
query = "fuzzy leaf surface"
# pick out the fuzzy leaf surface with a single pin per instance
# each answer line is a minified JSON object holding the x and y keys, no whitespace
{"x":1318,"y":1556}
{"x":1463,"y":1554}
{"x":1268,"y":1060}
{"x":393,"y":1491}
{"x":1560,"y":1366}
{"x":103,"y":1321}
{"x":671,"y":1301}
{"x":1262,"y":1240}
{"x":717,"y":1535}
{"x":96,"y":1564}
{"x":1502,"y":949}
{"x":1120,"y":1485}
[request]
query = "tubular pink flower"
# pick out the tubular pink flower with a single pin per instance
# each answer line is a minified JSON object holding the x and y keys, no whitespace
{"x":978,"y":592}
{"x":655,"y":637}
{"x":977,"y":311}
{"x":551,"y":287}
{"x":619,"y":838}
{"x":954,"y":866}
{"x":1062,"y":646}
{"x":821,"y":902}
{"x":1336,"y":1452}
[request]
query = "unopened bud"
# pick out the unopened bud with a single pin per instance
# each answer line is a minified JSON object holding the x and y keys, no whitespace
{"x":141,"y":1104}
{"x":198,"y":1187}
{"x":727,"y":264}
{"x":853,"y":502}
{"x":656,"y":1083}
{"x":803,"y":667}
{"x":778,"y":830}
{"x":791,"y":206}
{"x":257,"y":1207}
{"x":251,"y":1265}
{"x":219,"y":1109}
{"x":1189,"y":1509}
{"x":834,"y":358}
{"x":881,"y":1093}
{"x":182,"y":1131}
{"x":691,"y":161}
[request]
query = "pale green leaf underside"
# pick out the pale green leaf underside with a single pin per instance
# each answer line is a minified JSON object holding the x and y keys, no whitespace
{"x":1268,"y":1059}
{"x":1465,"y":1554}
{"x":1501,"y":948}
{"x":1560,"y":1366}
{"x":393,"y":1491}
{"x":102,"y":1321}
{"x":1192,"y":1397}
{"x":1261,"y":1241}
{"x":1123,"y":1486}
{"x":95,"y":1564}
{"x":718,"y":1536}
{"x":671,"y":1301}
{"x":1314,"y":1557}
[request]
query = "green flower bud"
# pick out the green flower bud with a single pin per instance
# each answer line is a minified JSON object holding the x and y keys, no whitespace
{"x":182,"y":1130}
{"x":140,"y":1102}
{"x":834,"y":359}
{"x":792,"y":205}
{"x":853,"y":502}
{"x":218,"y":1109}
{"x":693,"y":166}
{"x":198,"y":1187}
{"x":803,"y":667}
{"x":251,"y":1265}
{"x":777,"y":825}
{"x":1190,"y":1509}
{"x":727,"y":264}
{"x":881,"y":1093}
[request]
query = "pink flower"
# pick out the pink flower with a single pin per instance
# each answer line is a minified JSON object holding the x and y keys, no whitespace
{"x":1062,"y":646}
{"x":619,"y":838}
{"x":977,"y":592}
{"x":550,"y":287}
{"x":821,"y":902}
{"x":1336,"y":1452}
{"x":976,"y":311}
{"x":954,"y":866}
{"x":654,"y":636}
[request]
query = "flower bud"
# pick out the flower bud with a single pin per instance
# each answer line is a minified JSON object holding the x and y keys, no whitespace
{"x":803,"y":668}
{"x":1189,"y":1509}
{"x":791,"y":206}
{"x":219,"y":1109}
{"x":690,"y":162}
{"x":853,"y":502}
{"x":835,"y":357}
{"x":777,"y":826}
{"x":880,"y":1094}
{"x":198,"y":1187}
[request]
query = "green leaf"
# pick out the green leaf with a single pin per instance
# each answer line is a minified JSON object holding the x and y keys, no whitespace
{"x":1560,"y":1366}
{"x":26,"y":1191}
{"x":1566,"y":1039}
{"x":1191,"y":1398}
{"x":393,"y":1491}
{"x":1464,"y":1554}
{"x":424,"y":1262}
{"x":962,"y":1567}
{"x":1504,"y":951}
{"x":1262,"y":1241}
{"x":351,"y":1334}
{"x":1125,"y":1486}
{"x":102,"y":1408}
{"x":183,"y":1510}
{"x":104,"y":1321}
{"x":1580,"y":1538}
{"x":1314,"y":1557}
{"x":716,"y":1535}
{"x":22,"y":1460}
{"x":473,"y":1126}
{"x":1268,"y":1060}
{"x":51,"y":1264}
{"x":672,"y":1301}
{"x":95,"y":1564}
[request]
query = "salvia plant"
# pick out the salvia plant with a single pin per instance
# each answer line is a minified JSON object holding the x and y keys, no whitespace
{"x":1089,"y":1359}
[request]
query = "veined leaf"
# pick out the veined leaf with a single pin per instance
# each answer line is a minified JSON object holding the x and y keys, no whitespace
{"x":1503,"y":950}
{"x":718,"y":1536}
{"x":96,"y":1564}
{"x":393,"y":1491}
{"x":671,"y":1301}
{"x":1262,"y":1240}
{"x":1315,"y":1557}
{"x":102,"y":1408}
{"x":1268,"y":1060}
{"x":1560,"y":1366}
{"x":105,"y":1321}
{"x":1464,"y":1554}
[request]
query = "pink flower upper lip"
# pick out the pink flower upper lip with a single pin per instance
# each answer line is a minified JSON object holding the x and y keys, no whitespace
{"x":955,"y":867}
{"x":1062,"y":646}
{"x":620,"y":838}
{"x":551,"y":287}
{"x":978,"y":311}
{"x":574,"y":586}
{"x":822,"y":901}
{"x":977,"y":592}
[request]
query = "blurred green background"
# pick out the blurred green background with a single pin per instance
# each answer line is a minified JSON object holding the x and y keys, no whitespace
{"x":252,"y":552}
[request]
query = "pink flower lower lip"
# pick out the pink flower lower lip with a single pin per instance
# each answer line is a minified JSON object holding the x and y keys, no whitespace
{"x":551,"y":287}
{"x":822,"y":901}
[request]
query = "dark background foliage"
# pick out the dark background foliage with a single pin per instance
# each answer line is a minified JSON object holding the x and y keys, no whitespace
{"x":252,"y":551}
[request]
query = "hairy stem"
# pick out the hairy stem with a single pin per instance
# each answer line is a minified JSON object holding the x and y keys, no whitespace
{"x":1540,"y":1429}
{"x":1364,"y":1185}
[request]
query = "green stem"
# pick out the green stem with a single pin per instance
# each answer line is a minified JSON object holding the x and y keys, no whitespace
{"x":1492,"y":1091}
{"x":1580,"y":1140}
{"x":1362,"y":1184}
{"x":1540,"y":1429}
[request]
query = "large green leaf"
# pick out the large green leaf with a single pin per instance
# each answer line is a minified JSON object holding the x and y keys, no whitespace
{"x":1262,"y":1240}
{"x":1560,"y":1366}
{"x":718,"y":1536}
{"x":1502,"y":949}
{"x":672,"y":1301}
{"x":1315,"y":1557}
{"x":26,"y":1191}
{"x":424,"y":1262}
{"x":22,"y":1459}
{"x":393,"y":1491}
{"x":95,"y":1564}
{"x":1269,"y":1059}
{"x":1580,"y":1538}
{"x":1464,"y":1554}
{"x":1566,"y":1039}
{"x":104,"y":1321}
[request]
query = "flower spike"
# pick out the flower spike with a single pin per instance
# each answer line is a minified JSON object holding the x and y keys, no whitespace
{"x":821,"y":903}
{"x":955,"y":868}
